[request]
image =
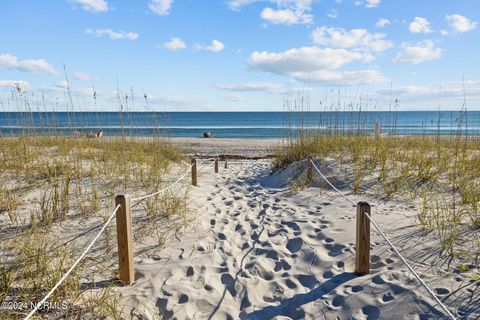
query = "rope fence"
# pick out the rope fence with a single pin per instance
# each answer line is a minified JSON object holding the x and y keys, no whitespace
{"x":139,"y":199}
{"x":74,"y":265}
{"x":362,"y":264}
{"x":123,"y":216}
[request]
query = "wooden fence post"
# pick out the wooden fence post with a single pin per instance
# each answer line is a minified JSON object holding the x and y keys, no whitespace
{"x":216,"y":165}
{"x":226,"y":163}
{"x":362,"y":256}
{"x":378,"y":129}
{"x":309,"y":170}
{"x":124,"y":239}
{"x":194,"y":172}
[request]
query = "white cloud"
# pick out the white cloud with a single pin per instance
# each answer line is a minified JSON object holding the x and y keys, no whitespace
{"x":82,"y":76}
{"x":160,"y":7}
{"x":216,"y":46}
{"x":444,"y":32}
{"x":92,"y":5}
{"x":415,"y":54}
{"x":303,"y":59}
{"x":114,"y":35}
{"x":287,"y":12}
{"x":446,"y":90}
{"x":333,"y":14}
{"x":354,"y":39}
{"x":251,"y":87}
{"x":15,"y":84}
{"x":420,"y":25}
{"x":373,"y":3}
{"x":175,"y":44}
{"x":316,"y":64}
{"x":286,"y":16}
{"x":29,"y":65}
{"x":61,"y":86}
{"x":233,"y":98}
{"x":460,"y":23}
{"x":174,"y":101}
{"x":382,"y":23}
{"x":238,"y":4}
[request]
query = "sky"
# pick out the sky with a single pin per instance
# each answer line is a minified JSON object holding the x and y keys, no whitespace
{"x":239,"y":55}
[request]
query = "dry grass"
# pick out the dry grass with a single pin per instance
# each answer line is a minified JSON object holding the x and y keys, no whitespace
{"x":53,"y":192}
{"x":442,"y":173}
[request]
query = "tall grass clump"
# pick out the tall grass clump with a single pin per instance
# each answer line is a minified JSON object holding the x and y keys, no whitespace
{"x":56,"y":189}
{"x":417,"y":167}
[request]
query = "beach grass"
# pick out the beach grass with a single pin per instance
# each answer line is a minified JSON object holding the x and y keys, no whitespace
{"x":439,"y":172}
{"x":55,"y":191}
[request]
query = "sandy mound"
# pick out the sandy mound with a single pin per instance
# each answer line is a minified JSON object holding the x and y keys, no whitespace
{"x":296,"y":173}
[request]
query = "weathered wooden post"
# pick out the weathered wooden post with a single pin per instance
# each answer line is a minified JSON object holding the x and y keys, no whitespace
{"x":124,"y":239}
{"x":362,"y":257}
{"x":194,"y":172}
{"x":216,"y":165}
{"x":226,"y":163}
{"x":309,"y":170}
{"x":378,"y":129}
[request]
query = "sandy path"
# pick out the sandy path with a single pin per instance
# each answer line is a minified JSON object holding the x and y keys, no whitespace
{"x":263,"y":253}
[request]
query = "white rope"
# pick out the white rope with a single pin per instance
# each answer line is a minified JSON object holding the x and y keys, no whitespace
{"x":393,"y":247}
{"x":325,"y":178}
{"x":38,"y":305}
{"x":164,"y":189}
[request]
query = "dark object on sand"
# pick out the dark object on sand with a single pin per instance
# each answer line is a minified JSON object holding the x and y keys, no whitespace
{"x":207,"y":135}
{"x":90,"y":134}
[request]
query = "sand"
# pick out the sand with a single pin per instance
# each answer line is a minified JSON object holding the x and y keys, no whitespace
{"x":257,"y":250}
{"x":252,"y":247}
{"x":236,"y":148}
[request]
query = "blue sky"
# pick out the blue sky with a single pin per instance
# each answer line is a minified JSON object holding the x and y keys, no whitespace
{"x":240,"y":55}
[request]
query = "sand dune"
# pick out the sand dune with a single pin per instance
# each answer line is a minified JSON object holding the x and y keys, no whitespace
{"x":259,"y":252}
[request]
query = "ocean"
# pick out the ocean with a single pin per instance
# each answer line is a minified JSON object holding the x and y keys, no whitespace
{"x":260,"y":125}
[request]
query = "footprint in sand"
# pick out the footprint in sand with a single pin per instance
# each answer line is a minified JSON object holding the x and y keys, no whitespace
{"x":229,"y":282}
{"x":441,"y":291}
{"x":338,"y":302}
{"x":339,"y":265}
{"x":328,"y":240}
{"x":292,"y":225}
{"x":294,"y":245}
{"x":208,"y":287}
{"x":282,"y":265}
{"x":334,"y":249}
{"x":371,"y":312}
{"x":388,"y":297}
{"x":183,"y":299}
{"x":354,"y":289}
{"x":307,"y":281}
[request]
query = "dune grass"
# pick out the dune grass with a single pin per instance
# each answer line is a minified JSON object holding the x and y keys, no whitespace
{"x":54,"y":190}
{"x":442,"y":173}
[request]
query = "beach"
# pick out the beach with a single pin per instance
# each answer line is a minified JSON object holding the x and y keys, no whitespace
{"x":257,"y":240}
{"x":229,"y":148}
{"x":240,"y":160}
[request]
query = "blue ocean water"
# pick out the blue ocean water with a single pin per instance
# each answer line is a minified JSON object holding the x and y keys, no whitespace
{"x":238,"y":124}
